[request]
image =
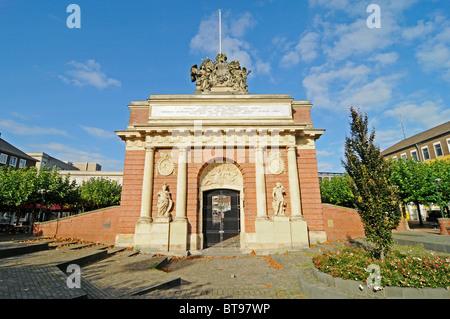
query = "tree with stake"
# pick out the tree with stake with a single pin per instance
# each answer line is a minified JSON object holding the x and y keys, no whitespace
{"x":374,"y":198}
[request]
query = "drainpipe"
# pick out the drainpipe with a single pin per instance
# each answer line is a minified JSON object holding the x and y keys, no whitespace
{"x":418,"y":152}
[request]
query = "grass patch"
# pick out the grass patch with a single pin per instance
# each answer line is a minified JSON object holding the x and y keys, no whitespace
{"x":401,"y":268}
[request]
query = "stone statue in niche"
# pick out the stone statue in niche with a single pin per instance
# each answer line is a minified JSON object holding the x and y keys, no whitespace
{"x":278,"y":203}
{"x":164,"y":202}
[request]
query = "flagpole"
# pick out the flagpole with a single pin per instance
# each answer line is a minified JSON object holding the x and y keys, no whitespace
{"x":220,"y":31}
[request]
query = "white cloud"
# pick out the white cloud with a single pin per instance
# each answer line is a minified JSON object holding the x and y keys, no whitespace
{"x":206,"y":41}
{"x":88,"y":74}
{"x":98,"y":132}
{"x":387,"y":138}
{"x":427,"y":114}
{"x":323,"y":153}
{"x":343,"y":40}
{"x":351,"y":85}
{"x":305,"y":50}
{"x":385,"y":58}
{"x":419,"y":31}
{"x":24,"y":129}
{"x":346,"y":40}
{"x":325,"y":167}
{"x":434,"y":52}
{"x":239,"y":27}
{"x":434,"y":57}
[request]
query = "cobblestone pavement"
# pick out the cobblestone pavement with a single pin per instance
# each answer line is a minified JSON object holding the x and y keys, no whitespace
{"x":127,"y":272}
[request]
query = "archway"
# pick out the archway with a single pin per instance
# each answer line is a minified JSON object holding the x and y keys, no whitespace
{"x":221,"y":211}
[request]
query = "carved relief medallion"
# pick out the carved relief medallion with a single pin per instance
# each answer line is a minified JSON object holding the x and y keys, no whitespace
{"x":275,"y":163}
{"x":165,"y":164}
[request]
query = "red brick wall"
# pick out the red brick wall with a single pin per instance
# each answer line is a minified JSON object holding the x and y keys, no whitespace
{"x":130,"y":204}
{"x":301,"y":114}
{"x":139,"y":115}
{"x":443,"y":224}
{"x":309,"y":189}
{"x":91,"y":226}
{"x":346,"y":222}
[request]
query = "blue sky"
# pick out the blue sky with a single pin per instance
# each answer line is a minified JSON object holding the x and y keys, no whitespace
{"x":65,"y":91}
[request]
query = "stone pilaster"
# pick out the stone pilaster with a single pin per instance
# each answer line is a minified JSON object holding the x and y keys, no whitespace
{"x":147,"y":185}
{"x":261,"y":200}
{"x":294,"y":185}
{"x":144,"y":224}
{"x":180,"y":208}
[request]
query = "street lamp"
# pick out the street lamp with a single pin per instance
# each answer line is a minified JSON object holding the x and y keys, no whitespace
{"x":436,"y":182}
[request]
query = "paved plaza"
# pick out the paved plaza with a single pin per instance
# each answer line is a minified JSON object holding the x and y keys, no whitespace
{"x":112,"y":273}
{"x":129,"y":274}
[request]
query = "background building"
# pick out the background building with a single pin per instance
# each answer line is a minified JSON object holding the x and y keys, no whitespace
{"x":429,"y":145}
{"x":43,"y":159}
{"x":12,"y":156}
{"x":328,"y":175}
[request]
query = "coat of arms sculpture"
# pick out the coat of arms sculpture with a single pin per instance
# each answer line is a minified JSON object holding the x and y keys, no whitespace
{"x":220,"y":76}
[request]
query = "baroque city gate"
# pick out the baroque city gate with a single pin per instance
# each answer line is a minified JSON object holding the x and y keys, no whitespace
{"x":176,"y":195}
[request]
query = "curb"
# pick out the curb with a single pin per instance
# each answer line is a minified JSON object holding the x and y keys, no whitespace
{"x":25,"y":249}
{"x":318,"y":285}
{"x":435,"y":246}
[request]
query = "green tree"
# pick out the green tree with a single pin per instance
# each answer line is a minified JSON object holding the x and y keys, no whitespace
{"x":99,"y":192}
{"x":62,"y":191}
{"x":17,"y":186}
{"x":441,"y":169}
{"x":29,"y":187}
{"x":374,"y":198}
{"x":414,"y":183}
{"x":337,"y":191}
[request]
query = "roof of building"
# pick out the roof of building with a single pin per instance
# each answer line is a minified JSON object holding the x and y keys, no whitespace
{"x":418,"y":138}
{"x":12,"y":150}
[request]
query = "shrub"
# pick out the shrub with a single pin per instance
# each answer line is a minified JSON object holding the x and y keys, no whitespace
{"x":401,"y":269}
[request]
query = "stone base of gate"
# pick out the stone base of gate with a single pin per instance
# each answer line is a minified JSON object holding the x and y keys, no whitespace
{"x":280,"y":233}
{"x":161,"y":235}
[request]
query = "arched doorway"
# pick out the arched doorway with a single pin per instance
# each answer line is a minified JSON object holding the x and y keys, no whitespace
{"x":221,"y":216}
{"x":221,"y":188}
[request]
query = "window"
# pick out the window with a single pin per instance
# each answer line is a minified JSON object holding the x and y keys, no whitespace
{"x":448,"y":145}
{"x":13,"y":161}
{"x":403,"y":156}
{"x":3,"y":158}
{"x":426,"y":155}
{"x":414,"y":155}
{"x":438,"y":149}
{"x":394,"y":158}
{"x":22,"y":163}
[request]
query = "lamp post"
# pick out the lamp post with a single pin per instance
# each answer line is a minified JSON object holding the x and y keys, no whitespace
{"x":436,"y":182}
